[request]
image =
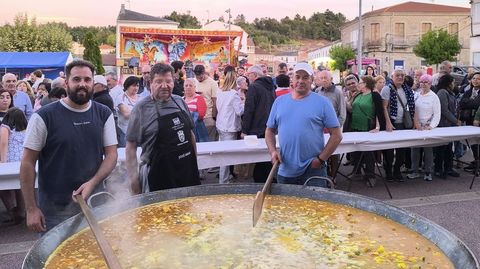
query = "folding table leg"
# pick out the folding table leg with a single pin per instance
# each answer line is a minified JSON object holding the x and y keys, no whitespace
{"x":475,"y":173}
{"x":381,"y":175}
{"x":334,"y":176}
{"x":337,"y":172}
{"x":355,"y":169}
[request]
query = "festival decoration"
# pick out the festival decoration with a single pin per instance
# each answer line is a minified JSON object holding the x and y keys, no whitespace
{"x":166,"y":45}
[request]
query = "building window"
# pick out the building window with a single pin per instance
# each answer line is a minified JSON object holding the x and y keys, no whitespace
{"x":476,"y":58}
{"x":426,"y":27}
{"x":476,"y":13}
{"x":354,"y":38}
{"x":400,"y":30}
{"x":453,"y":28}
{"x":375,"y":31}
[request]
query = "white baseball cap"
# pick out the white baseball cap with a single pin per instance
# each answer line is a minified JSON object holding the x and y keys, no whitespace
{"x":100,"y":79}
{"x":305,"y":67}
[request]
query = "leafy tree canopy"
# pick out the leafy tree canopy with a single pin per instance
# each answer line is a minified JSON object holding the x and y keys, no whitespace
{"x":340,"y":54}
{"x":185,"y":20}
{"x":26,"y":35}
{"x":324,"y":25}
{"x":437,"y":46}
{"x":102,"y":34}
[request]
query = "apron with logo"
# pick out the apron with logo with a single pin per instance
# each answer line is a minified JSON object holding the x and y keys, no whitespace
{"x":173,"y":162}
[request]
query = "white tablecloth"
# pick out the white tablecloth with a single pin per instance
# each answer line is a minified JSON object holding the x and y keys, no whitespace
{"x":222,"y":153}
{"x":212,"y":154}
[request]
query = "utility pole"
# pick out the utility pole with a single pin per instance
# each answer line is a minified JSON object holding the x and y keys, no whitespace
{"x":360,"y":39}
{"x":228,"y":11}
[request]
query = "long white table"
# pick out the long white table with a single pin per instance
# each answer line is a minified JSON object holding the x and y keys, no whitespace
{"x":212,"y":154}
{"x":222,"y":153}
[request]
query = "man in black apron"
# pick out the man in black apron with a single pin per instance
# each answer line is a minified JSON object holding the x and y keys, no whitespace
{"x":162,"y":126}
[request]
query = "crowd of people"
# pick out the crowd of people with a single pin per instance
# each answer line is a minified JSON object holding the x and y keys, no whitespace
{"x":72,"y":126}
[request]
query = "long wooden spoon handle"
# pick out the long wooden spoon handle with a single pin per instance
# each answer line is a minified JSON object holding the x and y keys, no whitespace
{"x":268,"y":183}
{"x":107,"y":251}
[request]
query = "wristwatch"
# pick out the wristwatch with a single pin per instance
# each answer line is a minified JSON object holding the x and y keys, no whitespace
{"x":322,"y":162}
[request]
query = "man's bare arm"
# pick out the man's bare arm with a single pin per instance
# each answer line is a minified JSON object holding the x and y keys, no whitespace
{"x":106,"y":167}
{"x":27,"y":177}
{"x":272,"y":144}
{"x":132,"y":166}
{"x":35,"y":217}
{"x":332,"y":144}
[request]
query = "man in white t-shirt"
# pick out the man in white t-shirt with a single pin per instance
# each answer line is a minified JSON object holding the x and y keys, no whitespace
{"x":115,"y":90}
{"x":75,"y":143}
{"x":208,"y":88}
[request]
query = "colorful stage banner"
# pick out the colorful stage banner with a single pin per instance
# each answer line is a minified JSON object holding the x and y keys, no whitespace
{"x":161,"y":45}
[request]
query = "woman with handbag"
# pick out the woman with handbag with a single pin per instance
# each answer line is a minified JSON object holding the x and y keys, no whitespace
{"x":367,"y":116}
{"x":427,"y":117}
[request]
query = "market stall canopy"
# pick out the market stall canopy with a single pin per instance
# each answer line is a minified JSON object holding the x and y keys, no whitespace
{"x":23,"y":63}
{"x":34,"y":59}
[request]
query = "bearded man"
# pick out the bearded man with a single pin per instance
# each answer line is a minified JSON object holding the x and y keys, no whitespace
{"x":75,"y":143}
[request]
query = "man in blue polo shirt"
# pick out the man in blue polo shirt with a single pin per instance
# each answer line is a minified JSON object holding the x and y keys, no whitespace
{"x":300,"y":118}
{"x":20,"y":99}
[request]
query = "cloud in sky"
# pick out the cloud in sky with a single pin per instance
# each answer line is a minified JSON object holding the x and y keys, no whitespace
{"x":100,"y":13}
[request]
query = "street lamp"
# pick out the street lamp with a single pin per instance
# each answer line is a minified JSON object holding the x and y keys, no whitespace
{"x":360,"y":38}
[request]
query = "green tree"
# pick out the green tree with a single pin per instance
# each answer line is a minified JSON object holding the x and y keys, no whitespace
{"x":54,"y":37}
{"x":92,"y":52}
{"x":26,"y":35}
{"x":102,"y":33}
{"x":112,"y":40}
{"x":340,"y":54}
{"x":185,"y":20}
{"x":437,"y":46}
{"x":240,"y":20}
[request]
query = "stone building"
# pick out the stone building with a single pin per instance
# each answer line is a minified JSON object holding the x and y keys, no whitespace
{"x":389,"y":34}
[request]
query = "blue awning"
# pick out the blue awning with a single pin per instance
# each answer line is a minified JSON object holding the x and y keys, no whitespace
{"x":34,"y":59}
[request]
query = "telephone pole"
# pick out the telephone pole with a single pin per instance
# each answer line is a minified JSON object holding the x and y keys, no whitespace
{"x":228,"y":11}
{"x":360,"y":39}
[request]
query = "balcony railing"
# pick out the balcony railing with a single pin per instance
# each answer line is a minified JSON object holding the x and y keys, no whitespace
{"x":404,"y":42}
{"x":373,"y":43}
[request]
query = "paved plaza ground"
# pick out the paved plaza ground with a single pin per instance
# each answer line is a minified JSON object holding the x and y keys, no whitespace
{"x":448,"y":202}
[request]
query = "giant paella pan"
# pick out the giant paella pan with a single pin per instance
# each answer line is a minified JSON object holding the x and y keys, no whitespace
{"x":210,"y":226}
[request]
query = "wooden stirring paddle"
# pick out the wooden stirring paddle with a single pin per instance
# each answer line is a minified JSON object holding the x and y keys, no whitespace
{"x":107,"y":251}
{"x":258,"y":203}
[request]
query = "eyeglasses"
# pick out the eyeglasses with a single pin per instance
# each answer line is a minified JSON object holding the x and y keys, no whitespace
{"x":424,"y":82}
{"x":351,"y":84}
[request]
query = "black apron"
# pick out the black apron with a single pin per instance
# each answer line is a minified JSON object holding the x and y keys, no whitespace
{"x":173,"y":162}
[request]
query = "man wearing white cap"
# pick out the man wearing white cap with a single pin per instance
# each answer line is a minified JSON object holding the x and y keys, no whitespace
{"x":100,"y":92}
{"x":300,"y":118}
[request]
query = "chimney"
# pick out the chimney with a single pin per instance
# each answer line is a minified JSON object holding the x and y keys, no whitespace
{"x":122,"y":9}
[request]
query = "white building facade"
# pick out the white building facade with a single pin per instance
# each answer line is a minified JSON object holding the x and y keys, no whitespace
{"x":321,"y":56}
{"x":475,"y":38}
